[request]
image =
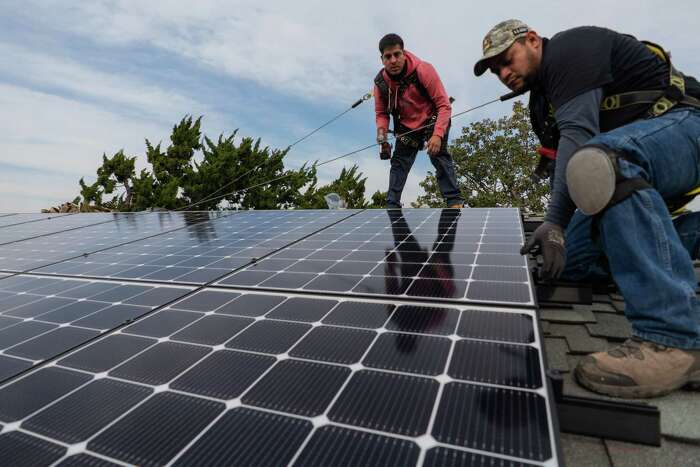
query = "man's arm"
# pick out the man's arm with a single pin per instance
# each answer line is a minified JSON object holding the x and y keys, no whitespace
{"x":578,"y":121}
{"x":382,"y":116}
{"x":433,"y":85}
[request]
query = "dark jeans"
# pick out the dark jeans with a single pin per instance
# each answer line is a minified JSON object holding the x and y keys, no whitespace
{"x":401,"y":163}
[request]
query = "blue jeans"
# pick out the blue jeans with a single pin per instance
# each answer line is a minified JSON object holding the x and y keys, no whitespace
{"x":646,"y":252}
{"x":401,"y":163}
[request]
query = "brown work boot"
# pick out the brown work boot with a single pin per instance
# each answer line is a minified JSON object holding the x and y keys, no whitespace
{"x":638,"y":369}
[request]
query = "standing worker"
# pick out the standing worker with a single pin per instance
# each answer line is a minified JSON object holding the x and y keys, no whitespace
{"x":627,"y":147}
{"x":410,"y":91}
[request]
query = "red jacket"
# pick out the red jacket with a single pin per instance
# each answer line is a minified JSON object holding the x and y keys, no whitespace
{"x":415,"y":109}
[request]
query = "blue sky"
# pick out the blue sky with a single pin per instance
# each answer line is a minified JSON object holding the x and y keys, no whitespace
{"x":81,"y":78}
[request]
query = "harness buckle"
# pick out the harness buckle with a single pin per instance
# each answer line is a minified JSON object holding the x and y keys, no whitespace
{"x":610,"y":102}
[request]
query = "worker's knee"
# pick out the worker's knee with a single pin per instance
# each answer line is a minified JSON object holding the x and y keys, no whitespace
{"x":594,"y":180}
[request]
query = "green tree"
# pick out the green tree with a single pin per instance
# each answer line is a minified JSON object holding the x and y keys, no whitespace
{"x":379,"y":200}
{"x":237,"y":173}
{"x":350,"y":185}
{"x":494,"y":161}
{"x":116,"y":172}
{"x":196,"y":171}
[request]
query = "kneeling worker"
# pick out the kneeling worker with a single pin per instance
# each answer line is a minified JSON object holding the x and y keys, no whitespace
{"x":411,"y":92}
{"x":628,"y":146}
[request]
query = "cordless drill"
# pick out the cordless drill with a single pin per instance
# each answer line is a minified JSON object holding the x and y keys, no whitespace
{"x":384,"y":146}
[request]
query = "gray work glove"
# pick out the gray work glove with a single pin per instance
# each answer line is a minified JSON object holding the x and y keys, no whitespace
{"x":548,"y":240}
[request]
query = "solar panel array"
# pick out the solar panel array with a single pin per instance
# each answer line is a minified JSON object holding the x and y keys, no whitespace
{"x":203,"y":251}
{"x":228,"y":341}
{"x":469,"y":255}
{"x":40,"y":250}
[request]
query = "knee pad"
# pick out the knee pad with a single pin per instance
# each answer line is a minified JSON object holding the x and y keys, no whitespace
{"x":594,"y":180}
{"x":591,"y":177}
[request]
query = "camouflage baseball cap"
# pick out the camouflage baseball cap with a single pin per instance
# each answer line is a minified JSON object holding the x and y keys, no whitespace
{"x":498,"y":39}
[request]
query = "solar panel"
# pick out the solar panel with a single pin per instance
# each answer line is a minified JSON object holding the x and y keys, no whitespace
{"x":313,"y":338}
{"x":237,"y":371}
{"x":24,"y":254}
{"x":14,"y":219}
{"x":48,"y":225}
{"x":42,"y":317}
{"x":201,"y":252}
{"x":469,"y":255}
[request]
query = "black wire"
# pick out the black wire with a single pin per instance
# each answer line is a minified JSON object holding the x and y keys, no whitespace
{"x":211,"y":197}
{"x":502,"y":98}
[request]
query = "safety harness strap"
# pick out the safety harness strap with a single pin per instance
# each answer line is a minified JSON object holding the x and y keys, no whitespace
{"x":659,"y":101}
{"x":414,"y":140}
{"x":626,"y":187}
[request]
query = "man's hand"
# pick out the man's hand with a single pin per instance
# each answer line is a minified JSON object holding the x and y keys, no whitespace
{"x":381,"y":135}
{"x":434,"y":144}
{"x":548,"y":240}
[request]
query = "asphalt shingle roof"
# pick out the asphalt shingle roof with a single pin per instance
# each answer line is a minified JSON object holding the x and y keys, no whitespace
{"x":575,"y":329}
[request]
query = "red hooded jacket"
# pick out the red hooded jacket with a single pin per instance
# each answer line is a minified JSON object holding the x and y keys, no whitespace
{"x":414,"y":108}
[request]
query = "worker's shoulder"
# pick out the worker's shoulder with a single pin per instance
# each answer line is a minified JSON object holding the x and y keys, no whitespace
{"x":578,"y":33}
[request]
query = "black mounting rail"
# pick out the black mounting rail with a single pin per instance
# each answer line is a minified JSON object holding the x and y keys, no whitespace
{"x":616,"y":420}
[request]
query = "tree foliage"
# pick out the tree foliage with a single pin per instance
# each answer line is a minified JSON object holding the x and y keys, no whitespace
{"x":199,"y":172}
{"x":494,"y":162}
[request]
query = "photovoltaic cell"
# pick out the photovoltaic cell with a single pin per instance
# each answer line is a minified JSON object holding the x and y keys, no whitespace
{"x":511,"y":422}
{"x":36,"y":390}
{"x":107,"y":353}
{"x":157,"y":430}
{"x":160,"y":363}
{"x":360,"y":314}
{"x":425,"y":320}
{"x":496,"y":363}
{"x":212,"y":330}
{"x":333,"y":445}
{"x":387,"y":402}
{"x":269,"y":336}
{"x":333,"y":344}
{"x":245,"y":437}
{"x":441,"y":456}
{"x":501,"y":326}
{"x":10,"y":366}
{"x":224,"y":374}
{"x":20,"y":449}
{"x":87,"y":410}
{"x":297,"y":387}
{"x":410,"y":353}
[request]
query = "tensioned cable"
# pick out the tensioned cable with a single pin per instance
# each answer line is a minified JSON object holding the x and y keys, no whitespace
{"x":502,"y":98}
{"x":211,"y":197}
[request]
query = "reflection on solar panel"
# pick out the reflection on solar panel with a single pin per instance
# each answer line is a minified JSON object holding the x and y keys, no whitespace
{"x":334,"y":337}
{"x":24,"y":255}
{"x":467,"y":255}
{"x":48,"y":225}
{"x":203,"y":251}
{"x":14,"y":219}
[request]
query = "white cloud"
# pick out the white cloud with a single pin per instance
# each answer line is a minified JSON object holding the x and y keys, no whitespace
{"x":324,"y":53}
{"x":328,"y":50}
{"x":65,"y":76}
{"x":65,"y":135}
